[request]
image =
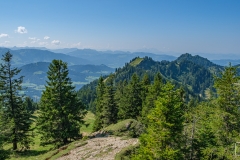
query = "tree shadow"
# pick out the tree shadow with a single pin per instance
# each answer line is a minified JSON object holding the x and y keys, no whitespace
{"x":28,"y":153}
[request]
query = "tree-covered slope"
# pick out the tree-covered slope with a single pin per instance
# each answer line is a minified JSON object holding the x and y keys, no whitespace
{"x":197,"y":78}
{"x":204,"y":62}
{"x":194,"y":73}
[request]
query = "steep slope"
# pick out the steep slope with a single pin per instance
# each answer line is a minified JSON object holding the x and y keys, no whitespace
{"x":195,"y":78}
{"x":204,"y":62}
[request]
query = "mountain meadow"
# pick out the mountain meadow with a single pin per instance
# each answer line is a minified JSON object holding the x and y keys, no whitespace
{"x":87,"y":104}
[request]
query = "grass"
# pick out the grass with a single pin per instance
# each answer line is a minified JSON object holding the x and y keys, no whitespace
{"x":125,"y":153}
{"x":127,"y":128}
{"x":38,"y":152}
{"x":66,"y":149}
{"x":120,"y":126}
{"x":89,"y":121}
{"x":136,"y":62}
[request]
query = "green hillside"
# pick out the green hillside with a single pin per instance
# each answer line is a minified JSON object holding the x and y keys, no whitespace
{"x":136,"y":61}
{"x":193,"y":73}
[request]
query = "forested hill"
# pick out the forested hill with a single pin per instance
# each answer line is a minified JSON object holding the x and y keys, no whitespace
{"x":194,"y":73}
{"x":204,"y":62}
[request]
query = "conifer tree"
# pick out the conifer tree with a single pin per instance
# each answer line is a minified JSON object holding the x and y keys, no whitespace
{"x":145,"y":86}
{"x":109,"y":111}
{"x":14,"y":113}
{"x":131,"y":101}
{"x":4,"y":131}
{"x":120,"y":87}
{"x":61,"y":112}
{"x":153,"y":92}
{"x":228,"y":100}
{"x":30,"y":105}
{"x":98,"y":124}
{"x":162,"y":139}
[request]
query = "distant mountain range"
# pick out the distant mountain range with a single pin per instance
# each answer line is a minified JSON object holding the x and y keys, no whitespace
{"x":85,"y":65}
{"x":114,"y":59}
{"x":25,"y":56}
{"x":193,"y":73}
{"x":35,"y":76}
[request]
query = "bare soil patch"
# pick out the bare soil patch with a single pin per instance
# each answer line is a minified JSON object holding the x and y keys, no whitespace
{"x":102,"y":148}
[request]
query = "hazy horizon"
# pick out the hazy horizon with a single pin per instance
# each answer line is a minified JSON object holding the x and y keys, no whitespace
{"x":158,"y":26}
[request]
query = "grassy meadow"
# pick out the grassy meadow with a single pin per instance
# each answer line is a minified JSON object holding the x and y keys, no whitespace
{"x":38,"y":152}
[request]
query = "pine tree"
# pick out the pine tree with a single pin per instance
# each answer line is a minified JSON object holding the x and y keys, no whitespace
{"x":98,"y":123}
{"x":109,"y":112}
{"x":162,"y":139}
{"x":30,"y":105}
{"x":61,"y":112}
{"x":145,"y":83}
{"x":228,"y":100}
{"x":153,"y":92}
{"x":131,"y":101}
{"x":14,"y":113}
{"x":4,"y":131}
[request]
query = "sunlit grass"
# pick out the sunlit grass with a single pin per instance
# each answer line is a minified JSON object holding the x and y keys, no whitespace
{"x":136,"y":62}
{"x":38,"y":152}
{"x":89,"y":121}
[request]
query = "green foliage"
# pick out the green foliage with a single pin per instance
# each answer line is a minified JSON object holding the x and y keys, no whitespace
{"x":212,"y":127}
{"x":30,"y":105}
{"x":87,"y":94}
{"x":128,"y":127}
{"x":135,"y":61}
{"x":125,"y":153}
{"x":163,"y":137}
{"x":106,"y":108}
{"x":89,"y":120}
{"x":61,"y":112}
{"x":3,"y":129}
{"x":98,"y":124}
{"x":228,"y":100}
{"x":193,"y":73}
{"x":14,"y":113}
{"x":213,"y":68}
{"x":109,"y":104}
{"x":151,"y":96}
{"x":130,"y":105}
{"x":200,"y":131}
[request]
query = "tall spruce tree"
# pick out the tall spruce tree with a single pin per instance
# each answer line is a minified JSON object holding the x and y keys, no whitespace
{"x":98,"y":123}
{"x":109,"y":110}
{"x":106,"y":108}
{"x":152,"y":95}
{"x":131,"y":101}
{"x":162,"y":139}
{"x":4,"y":131}
{"x":14,"y":113}
{"x":145,"y":83}
{"x":228,"y":90}
{"x":61,"y":112}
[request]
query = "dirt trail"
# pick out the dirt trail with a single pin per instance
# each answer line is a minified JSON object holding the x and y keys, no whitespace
{"x":104,"y":148}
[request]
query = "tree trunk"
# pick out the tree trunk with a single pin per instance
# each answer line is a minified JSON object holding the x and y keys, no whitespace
{"x":65,"y":141}
{"x":14,"y":144}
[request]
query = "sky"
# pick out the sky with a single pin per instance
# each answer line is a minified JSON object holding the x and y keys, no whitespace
{"x":181,"y":26}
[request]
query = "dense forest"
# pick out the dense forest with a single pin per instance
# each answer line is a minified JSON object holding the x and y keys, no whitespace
{"x":187,"y":108}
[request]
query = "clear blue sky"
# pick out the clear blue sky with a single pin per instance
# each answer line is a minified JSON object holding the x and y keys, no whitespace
{"x":193,"y":26}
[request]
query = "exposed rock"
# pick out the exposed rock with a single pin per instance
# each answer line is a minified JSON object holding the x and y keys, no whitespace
{"x":104,"y":148}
